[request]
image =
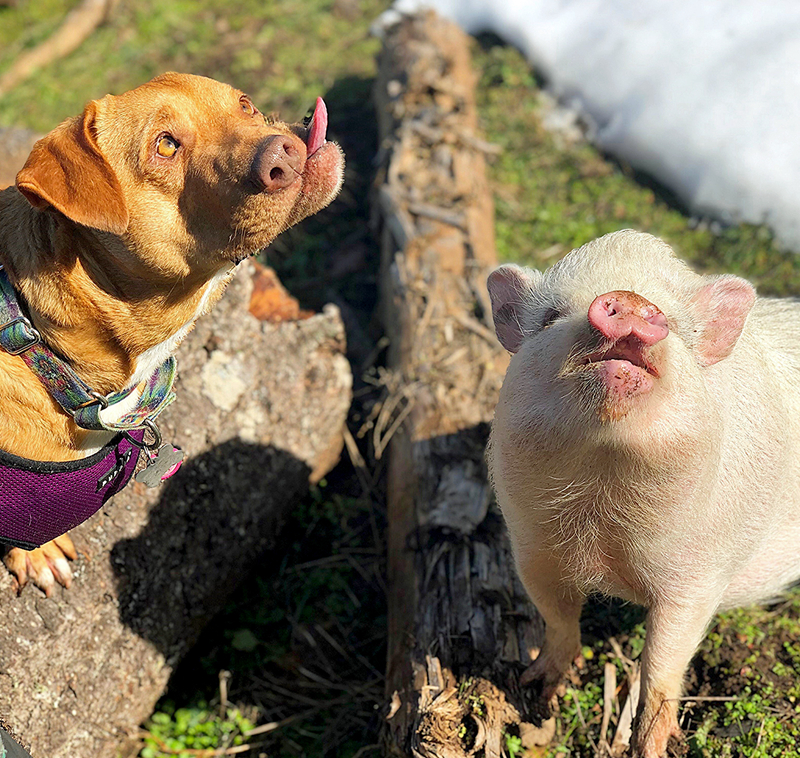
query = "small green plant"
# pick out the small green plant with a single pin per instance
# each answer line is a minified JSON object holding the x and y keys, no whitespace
{"x":172,"y":732}
{"x":476,"y":704}
{"x":513,"y":745}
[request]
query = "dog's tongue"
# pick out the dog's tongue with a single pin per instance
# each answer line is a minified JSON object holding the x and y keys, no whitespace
{"x":318,"y":127}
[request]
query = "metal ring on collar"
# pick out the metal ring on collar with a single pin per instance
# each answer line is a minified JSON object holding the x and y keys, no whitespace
{"x":150,"y":425}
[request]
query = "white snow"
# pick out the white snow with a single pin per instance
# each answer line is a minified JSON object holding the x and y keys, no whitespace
{"x":702,"y":94}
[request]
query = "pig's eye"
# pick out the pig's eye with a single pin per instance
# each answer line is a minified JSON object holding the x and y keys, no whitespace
{"x":550,"y":315}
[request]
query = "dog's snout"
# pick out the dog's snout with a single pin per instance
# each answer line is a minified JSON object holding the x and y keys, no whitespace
{"x":278,"y":163}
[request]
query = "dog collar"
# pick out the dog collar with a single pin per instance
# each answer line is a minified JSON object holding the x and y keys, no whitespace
{"x":146,"y":400}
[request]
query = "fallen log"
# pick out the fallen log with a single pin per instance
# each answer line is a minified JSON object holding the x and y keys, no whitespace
{"x":260,"y":410}
{"x":461,"y":628}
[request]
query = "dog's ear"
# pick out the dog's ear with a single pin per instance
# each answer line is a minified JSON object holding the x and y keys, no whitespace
{"x":67,"y":171}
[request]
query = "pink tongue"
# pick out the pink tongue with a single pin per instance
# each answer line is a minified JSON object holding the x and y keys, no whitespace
{"x":319,"y":126}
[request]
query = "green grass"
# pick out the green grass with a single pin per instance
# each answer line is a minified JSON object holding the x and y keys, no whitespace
{"x":282,"y":52}
{"x":750,"y":654}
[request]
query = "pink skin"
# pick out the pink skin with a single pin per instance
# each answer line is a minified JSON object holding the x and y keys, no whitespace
{"x":318,"y":127}
{"x":631,"y":324}
{"x":322,"y":156}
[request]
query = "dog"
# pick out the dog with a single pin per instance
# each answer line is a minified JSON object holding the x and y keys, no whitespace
{"x":124,"y":226}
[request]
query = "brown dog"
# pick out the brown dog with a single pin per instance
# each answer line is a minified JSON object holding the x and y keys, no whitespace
{"x":124,"y":226}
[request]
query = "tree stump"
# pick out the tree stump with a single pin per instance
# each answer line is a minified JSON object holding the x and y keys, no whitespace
{"x":461,"y":628}
{"x":260,"y":410}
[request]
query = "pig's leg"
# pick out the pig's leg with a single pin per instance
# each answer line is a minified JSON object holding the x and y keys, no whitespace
{"x":560,"y":606}
{"x":673,"y":633}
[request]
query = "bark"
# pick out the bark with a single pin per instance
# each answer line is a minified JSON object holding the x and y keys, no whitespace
{"x":461,"y":628}
{"x":260,"y":410}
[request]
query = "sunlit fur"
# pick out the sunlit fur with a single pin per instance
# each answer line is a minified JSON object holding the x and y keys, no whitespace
{"x":118,"y":250}
{"x":685,"y":501}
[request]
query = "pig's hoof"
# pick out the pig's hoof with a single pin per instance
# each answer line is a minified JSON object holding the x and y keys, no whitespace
{"x":652,"y":742}
{"x":542,"y":676}
{"x":45,"y":566}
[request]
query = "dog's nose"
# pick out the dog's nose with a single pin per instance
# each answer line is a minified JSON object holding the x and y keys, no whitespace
{"x":277,"y":164}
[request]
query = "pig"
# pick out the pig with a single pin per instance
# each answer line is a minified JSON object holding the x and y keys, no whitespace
{"x":646,"y":445}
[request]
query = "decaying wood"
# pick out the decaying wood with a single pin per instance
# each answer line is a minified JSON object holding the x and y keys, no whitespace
{"x":461,"y":628}
{"x":76,"y":28}
{"x":260,"y":410}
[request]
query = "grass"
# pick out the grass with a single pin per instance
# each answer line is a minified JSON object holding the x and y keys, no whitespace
{"x":750,"y":654}
{"x":282,"y":52}
{"x":303,"y":639}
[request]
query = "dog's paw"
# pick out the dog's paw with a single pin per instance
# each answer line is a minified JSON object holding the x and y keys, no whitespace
{"x":43,"y":566}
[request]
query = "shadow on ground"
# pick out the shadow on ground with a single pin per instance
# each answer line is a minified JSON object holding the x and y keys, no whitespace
{"x":220,"y":511}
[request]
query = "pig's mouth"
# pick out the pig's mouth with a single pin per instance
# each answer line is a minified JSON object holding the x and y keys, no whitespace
{"x":627,"y":350}
{"x":623,"y":369}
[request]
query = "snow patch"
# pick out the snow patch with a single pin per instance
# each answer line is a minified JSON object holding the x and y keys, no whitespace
{"x":705,"y":96}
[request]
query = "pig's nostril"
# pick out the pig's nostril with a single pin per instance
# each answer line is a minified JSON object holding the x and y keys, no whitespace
{"x":276,"y":174}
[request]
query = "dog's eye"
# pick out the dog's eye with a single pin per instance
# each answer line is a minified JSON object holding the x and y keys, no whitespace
{"x":167,"y":146}
{"x":247,"y":106}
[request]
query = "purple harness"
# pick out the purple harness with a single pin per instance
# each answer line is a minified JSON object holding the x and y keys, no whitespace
{"x":40,"y":500}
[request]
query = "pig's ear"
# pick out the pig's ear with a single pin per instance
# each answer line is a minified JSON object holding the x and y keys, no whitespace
{"x":722,"y":306}
{"x":67,"y":171}
{"x":510,"y":290}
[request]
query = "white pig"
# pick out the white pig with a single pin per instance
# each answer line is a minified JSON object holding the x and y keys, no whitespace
{"x":646,"y":445}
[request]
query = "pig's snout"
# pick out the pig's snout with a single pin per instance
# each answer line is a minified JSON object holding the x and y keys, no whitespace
{"x":621,"y":314}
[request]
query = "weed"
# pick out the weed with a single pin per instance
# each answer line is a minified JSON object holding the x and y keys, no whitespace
{"x":171,"y":730}
{"x":513,"y":746}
